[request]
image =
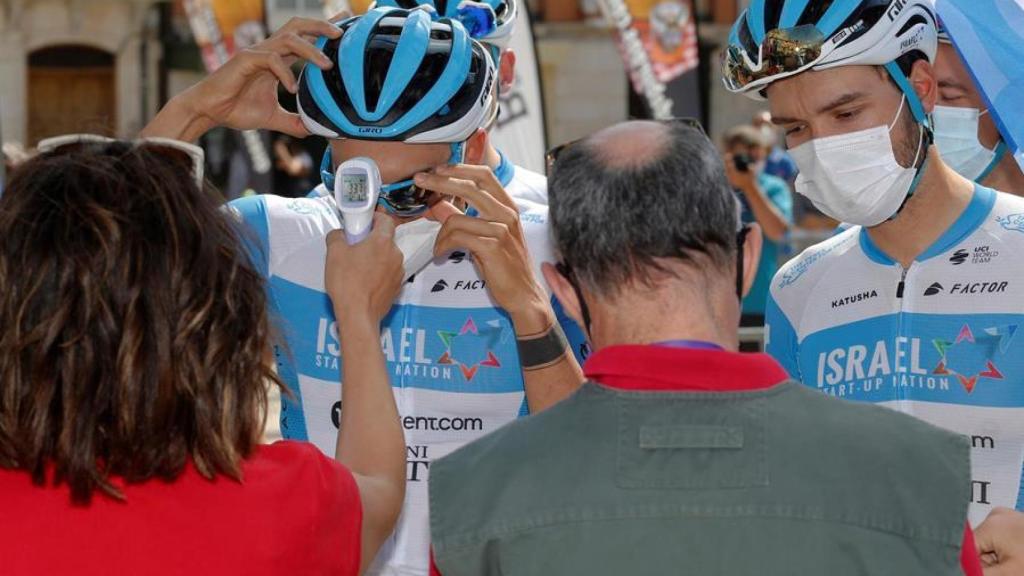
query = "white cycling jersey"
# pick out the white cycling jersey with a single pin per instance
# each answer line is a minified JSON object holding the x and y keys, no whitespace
{"x":451,"y":352}
{"x":937,"y":340}
{"x":523,"y":184}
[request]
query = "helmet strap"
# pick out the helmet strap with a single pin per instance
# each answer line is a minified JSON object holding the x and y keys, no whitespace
{"x":327,"y":169}
{"x":915,"y":102}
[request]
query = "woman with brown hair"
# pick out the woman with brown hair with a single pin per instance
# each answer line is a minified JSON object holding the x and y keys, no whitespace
{"x":134,"y":357}
{"x":133,"y":362}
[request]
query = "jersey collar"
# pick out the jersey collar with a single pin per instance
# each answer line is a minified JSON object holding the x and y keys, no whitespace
{"x":505,"y":170}
{"x":969,"y":220}
{"x":664,"y":369}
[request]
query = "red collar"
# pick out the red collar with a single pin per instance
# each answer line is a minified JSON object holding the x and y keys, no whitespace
{"x":664,"y":369}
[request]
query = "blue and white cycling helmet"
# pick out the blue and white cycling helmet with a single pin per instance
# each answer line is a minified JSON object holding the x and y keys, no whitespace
{"x":776,"y":39}
{"x":489,"y":21}
{"x":399,"y":76}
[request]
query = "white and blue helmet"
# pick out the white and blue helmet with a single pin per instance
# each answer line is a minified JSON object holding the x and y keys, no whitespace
{"x":776,"y":39}
{"x":401,"y":76}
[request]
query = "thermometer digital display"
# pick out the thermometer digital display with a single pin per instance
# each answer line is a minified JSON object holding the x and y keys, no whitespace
{"x":356,"y":189}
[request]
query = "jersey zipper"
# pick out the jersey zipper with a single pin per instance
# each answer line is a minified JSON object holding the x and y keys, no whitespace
{"x":900,"y":301}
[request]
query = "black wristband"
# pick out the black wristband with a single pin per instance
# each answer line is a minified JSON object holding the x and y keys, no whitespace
{"x":547,"y":349}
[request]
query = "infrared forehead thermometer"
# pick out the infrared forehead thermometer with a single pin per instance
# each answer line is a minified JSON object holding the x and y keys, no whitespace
{"x":356,"y":189}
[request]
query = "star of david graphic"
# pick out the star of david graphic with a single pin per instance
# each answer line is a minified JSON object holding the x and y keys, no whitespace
{"x":471,"y":347}
{"x":971,"y":357}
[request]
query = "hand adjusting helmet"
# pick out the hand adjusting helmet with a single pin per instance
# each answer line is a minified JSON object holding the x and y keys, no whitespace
{"x":399,"y":76}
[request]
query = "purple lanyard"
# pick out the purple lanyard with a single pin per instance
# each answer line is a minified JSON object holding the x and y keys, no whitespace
{"x":691,"y":344}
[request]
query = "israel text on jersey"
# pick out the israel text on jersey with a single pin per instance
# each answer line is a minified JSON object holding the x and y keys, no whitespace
{"x":939,"y":340}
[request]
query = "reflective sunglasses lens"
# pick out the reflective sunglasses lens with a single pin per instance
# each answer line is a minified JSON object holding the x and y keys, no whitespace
{"x":408,"y":199}
{"x":783,"y":50}
{"x":791,"y":49}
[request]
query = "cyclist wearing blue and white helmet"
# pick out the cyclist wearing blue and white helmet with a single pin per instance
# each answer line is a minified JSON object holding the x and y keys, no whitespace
{"x":917,"y":305}
{"x":472,"y":341}
{"x":965,"y":131}
{"x":413,"y":91}
{"x":492,"y":22}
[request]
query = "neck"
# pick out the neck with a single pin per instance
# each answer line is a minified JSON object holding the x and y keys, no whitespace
{"x":491,"y":158}
{"x":1007,"y":176}
{"x":643,"y":317}
{"x":941,"y":196}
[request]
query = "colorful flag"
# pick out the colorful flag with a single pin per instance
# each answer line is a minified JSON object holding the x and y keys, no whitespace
{"x":658,"y":41}
{"x":669,"y":35}
{"x":222,"y":27}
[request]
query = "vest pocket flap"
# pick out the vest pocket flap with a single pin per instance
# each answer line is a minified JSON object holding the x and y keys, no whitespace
{"x":690,"y":437}
{"x":691,"y":443}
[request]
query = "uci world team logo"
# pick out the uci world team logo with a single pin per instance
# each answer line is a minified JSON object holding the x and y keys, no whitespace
{"x":970,"y":357}
{"x":1013,"y":222}
{"x":472,"y":347}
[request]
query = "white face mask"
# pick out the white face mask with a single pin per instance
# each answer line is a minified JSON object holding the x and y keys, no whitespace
{"x":855,"y":177}
{"x":956,"y":136}
{"x":416,"y":242}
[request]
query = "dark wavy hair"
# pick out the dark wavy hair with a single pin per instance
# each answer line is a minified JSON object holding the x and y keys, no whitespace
{"x":135,"y":332}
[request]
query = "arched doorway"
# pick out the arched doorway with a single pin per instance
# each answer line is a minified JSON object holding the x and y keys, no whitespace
{"x":71,"y":89}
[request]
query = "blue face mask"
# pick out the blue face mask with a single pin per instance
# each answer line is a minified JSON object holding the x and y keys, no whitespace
{"x":404,"y":198}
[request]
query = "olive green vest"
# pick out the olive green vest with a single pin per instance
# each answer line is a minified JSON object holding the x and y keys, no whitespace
{"x":779,"y":481}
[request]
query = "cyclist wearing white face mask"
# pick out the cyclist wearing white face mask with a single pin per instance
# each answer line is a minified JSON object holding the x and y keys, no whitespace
{"x":965,"y":131}
{"x":917,"y":305}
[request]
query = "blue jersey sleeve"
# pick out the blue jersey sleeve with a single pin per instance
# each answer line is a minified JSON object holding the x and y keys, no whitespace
{"x":780,"y":338}
{"x":255,"y":230}
{"x":573,"y":333}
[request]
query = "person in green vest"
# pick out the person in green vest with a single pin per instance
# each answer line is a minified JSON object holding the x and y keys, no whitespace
{"x":680,"y":455}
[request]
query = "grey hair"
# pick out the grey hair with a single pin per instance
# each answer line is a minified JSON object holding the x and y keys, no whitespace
{"x":616,"y":221}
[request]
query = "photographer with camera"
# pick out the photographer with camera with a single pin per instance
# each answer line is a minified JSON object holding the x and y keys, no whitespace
{"x":766,"y":200}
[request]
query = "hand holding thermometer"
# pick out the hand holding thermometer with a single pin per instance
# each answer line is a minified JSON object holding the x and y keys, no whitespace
{"x":356,"y":189}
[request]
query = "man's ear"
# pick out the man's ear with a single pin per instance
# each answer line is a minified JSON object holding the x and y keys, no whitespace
{"x":751,"y":257}
{"x":507,"y":72}
{"x":922,"y":78}
{"x":562,"y":290}
{"x":476,"y":147}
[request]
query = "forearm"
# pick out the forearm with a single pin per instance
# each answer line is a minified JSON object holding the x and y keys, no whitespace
{"x":178,"y":120}
{"x":370,"y":439}
{"x":553,"y":382}
{"x":772,"y":222}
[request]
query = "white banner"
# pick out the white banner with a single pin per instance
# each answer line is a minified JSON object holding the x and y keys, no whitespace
{"x":519,"y":133}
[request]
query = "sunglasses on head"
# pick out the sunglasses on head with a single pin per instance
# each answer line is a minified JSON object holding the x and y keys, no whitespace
{"x":186,"y":155}
{"x":553,"y":154}
{"x":783,"y":51}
